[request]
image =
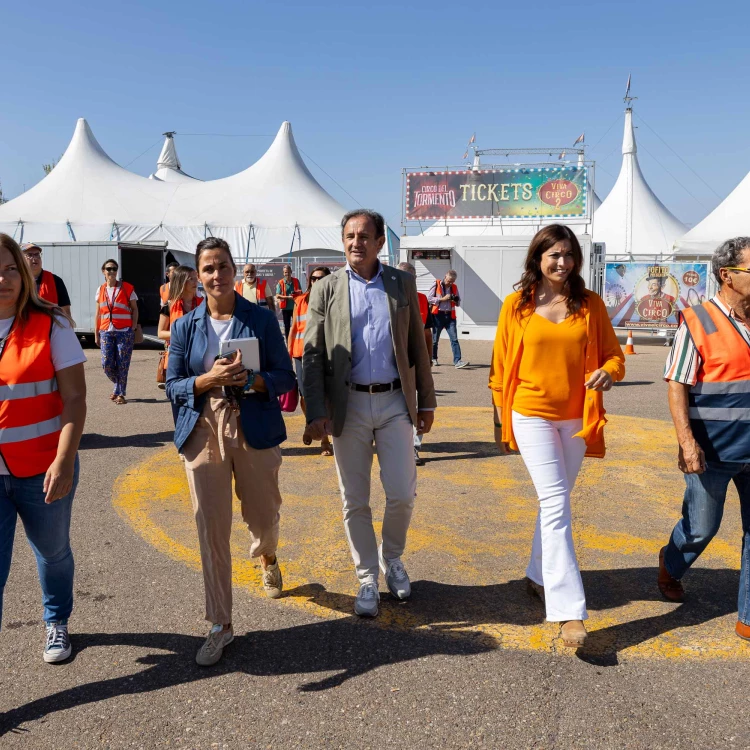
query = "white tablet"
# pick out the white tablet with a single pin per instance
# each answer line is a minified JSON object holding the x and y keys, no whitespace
{"x":249,"y":348}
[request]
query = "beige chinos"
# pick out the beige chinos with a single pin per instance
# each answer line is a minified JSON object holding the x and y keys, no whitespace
{"x":215,"y":452}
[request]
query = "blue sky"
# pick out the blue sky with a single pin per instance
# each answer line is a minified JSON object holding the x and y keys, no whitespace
{"x":374,"y":87}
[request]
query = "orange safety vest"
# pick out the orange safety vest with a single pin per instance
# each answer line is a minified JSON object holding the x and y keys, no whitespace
{"x":260,"y":290}
{"x":121,"y":315}
{"x":177,"y":309}
{"x":719,"y":403}
{"x":48,"y":288}
{"x":299,"y":323}
{"x":164,"y":293}
{"x":295,"y":288}
{"x":424,"y":306}
{"x":439,"y":293}
{"x":30,"y":403}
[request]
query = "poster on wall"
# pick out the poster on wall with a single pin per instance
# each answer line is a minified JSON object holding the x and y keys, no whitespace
{"x":650,"y":295}
{"x":550,"y":192}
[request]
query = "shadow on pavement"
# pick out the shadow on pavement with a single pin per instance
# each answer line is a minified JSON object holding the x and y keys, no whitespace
{"x":632,"y":382}
{"x":95,"y":441}
{"x":458,"y":450}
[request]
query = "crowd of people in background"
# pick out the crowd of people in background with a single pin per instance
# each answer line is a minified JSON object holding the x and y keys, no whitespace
{"x":360,"y":344}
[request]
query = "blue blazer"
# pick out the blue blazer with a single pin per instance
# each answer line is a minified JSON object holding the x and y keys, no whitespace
{"x":260,"y":413}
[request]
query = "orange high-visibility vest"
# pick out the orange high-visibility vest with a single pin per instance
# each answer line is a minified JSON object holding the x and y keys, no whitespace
{"x":719,"y":403}
{"x":280,"y":290}
{"x":48,"y":288}
{"x":177,"y":309}
{"x":299,"y":323}
{"x":121,"y":315}
{"x":439,"y":293}
{"x":30,"y":403}
{"x":260,"y":290}
{"x":424,"y":307}
{"x":164,"y":293}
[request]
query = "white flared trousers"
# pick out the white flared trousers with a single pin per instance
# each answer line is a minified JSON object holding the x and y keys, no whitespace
{"x":553,"y":458}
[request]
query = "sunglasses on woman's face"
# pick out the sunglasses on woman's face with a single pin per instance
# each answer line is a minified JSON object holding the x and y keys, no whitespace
{"x":110,"y":269}
{"x":316,"y":278}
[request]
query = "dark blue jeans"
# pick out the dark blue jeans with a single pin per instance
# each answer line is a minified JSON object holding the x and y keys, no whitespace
{"x":47,"y":528}
{"x":444,"y":321}
{"x":702,"y":510}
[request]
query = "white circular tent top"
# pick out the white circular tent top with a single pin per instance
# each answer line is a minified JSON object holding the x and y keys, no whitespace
{"x":632,"y":220}
{"x":269,"y":209}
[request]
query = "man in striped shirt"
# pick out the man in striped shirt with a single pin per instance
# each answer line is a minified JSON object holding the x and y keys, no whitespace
{"x":708,"y":372}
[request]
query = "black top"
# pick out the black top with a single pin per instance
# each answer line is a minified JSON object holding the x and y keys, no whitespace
{"x":429,"y":324}
{"x":63,"y":298}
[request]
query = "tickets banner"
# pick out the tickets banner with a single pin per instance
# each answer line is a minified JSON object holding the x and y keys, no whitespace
{"x":554,"y":192}
{"x":650,"y":295}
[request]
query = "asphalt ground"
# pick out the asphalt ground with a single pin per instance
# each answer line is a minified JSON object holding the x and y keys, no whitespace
{"x":468,"y":662}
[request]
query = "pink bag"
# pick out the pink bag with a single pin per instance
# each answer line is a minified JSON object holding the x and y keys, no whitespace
{"x":289,"y":400}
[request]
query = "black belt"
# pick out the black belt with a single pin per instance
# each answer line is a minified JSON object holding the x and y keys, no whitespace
{"x":377,"y":387}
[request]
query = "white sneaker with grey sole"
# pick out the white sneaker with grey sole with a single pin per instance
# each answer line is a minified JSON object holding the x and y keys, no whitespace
{"x":461,"y":364}
{"x":396,"y":577}
{"x":368,"y":598}
{"x":213,"y":648}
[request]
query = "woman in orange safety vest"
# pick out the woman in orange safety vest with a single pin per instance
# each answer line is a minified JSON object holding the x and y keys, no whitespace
{"x":116,"y":321}
{"x":42,"y":413}
{"x":296,"y":343}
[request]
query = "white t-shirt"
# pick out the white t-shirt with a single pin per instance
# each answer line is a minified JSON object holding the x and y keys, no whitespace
{"x":66,"y":352}
{"x":110,"y":290}
{"x":219,"y":330}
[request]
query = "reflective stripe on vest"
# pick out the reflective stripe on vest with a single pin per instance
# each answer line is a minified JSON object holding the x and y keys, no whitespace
{"x":121,"y":301}
{"x":719,"y":403}
{"x":47,"y":287}
{"x":439,"y":293}
{"x":30,"y":403}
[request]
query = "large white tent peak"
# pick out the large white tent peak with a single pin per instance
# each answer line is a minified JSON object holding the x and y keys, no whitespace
{"x":168,"y":167}
{"x":632,"y":220}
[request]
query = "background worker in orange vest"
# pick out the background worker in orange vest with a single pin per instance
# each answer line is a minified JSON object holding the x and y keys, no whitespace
{"x":286,"y":290}
{"x":164,"y":288}
{"x":253,"y":289}
{"x":429,"y":323}
{"x":42,"y":413}
{"x":708,"y":372}
{"x":296,"y":344}
{"x":444,"y":298}
{"x":116,"y":321}
{"x":49,"y":286}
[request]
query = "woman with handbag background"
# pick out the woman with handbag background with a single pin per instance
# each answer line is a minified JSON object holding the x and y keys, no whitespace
{"x":116,"y":328}
{"x":296,"y":344}
{"x":183,"y":297}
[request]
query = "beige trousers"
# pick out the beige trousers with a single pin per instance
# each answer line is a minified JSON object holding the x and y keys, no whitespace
{"x":216,"y":451}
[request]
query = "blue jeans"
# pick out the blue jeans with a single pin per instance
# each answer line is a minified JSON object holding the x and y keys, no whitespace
{"x":48,"y":531}
{"x":444,"y":321}
{"x":702,"y":510}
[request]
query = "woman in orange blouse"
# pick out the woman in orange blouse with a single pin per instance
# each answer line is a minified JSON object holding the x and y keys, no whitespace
{"x":555,"y":353}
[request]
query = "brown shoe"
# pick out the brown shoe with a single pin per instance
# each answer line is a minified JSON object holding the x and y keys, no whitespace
{"x":534,"y":589}
{"x":742,"y":630}
{"x":671,"y":589}
{"x":573,"y":634}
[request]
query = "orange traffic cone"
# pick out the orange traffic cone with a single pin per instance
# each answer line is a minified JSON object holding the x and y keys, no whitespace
{"x":629,"y":348}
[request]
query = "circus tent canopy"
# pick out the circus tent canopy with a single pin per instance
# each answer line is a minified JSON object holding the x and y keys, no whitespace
{"x":168,"y":167}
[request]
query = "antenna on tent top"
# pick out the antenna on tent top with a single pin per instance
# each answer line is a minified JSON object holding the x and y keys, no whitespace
{"x":627,"y":98}
{"x":170,"y":133}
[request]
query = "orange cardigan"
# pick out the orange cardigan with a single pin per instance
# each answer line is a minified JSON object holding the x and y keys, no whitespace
{"x":602,"y":352}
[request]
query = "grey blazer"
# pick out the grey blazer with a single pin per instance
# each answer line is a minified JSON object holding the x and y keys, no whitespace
{"x":327,"y":358}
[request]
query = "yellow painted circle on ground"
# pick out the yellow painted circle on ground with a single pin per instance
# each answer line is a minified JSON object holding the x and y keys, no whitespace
{"x":470,"y":539}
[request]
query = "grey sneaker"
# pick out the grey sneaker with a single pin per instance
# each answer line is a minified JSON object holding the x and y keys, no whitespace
{"x":434,"y":363}
{"x":213,"y":648}
{"x":396,"y":577}
{"x":272,"y":581}
{"x":461,"y":364}
{"x":368,"y":598}
{"x":57,"y":647}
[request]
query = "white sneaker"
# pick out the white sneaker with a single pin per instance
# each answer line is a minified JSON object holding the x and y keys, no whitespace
{"x":213,"y":648}
{"x":57,"y":647}
{"x":368,"y":598}
{"x":461,"y":364}
{"x":434,"y":363}
{"x":396,"y":577}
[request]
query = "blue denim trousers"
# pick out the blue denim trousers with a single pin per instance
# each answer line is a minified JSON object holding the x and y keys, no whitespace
{"x":444,"y":321}
{"x":47,"y":528}
{"x":702,"y":510}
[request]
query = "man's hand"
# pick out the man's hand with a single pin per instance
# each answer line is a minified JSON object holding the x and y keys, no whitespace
{"x":600,"y":380}
{"x":320,"y":428}
{"x":425,"y":420}
{"x":691,"y":459}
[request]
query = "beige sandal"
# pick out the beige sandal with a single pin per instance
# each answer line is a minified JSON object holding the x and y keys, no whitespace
{"x":573,"y":634}
{"x":120,"y":400}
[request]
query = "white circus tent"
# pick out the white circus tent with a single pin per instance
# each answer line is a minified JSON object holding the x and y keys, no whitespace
{"x":632,"y":220}
{"x":270,"y":209}
{"x":168,"y":167}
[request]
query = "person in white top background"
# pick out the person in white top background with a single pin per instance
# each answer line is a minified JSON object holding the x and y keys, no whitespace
{"x":115,"y":329}
{"x":42,"y":414}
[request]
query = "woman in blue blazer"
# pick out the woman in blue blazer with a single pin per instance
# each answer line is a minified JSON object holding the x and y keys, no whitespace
{"x":223,"y":436}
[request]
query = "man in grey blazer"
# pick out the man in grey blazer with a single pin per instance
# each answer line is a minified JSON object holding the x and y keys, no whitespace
{"x":367,"y":379}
